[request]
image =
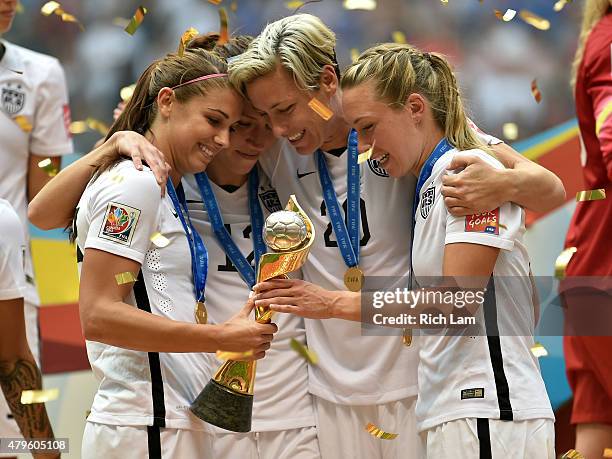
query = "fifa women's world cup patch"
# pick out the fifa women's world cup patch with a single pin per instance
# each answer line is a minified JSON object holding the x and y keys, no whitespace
{"x":486,"y":222}
{"x":119,"y":223}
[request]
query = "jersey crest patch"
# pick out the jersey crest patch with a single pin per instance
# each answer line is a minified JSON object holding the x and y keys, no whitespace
{"x":119,"y":223}
{"x":427,"y":200}
{"x":467,"y":394}
{"x":269,"y":198}
{"x":375,"y":167}
{"x":12,"y":100}
{"x":486,"y":222}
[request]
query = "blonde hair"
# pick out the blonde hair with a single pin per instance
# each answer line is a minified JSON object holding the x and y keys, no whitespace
{"x":302,"y":44}
{"x":593,"y":11}
{"x":399,"y":70}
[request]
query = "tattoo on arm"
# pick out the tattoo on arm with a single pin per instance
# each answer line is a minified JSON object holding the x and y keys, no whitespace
{"x":15,"y":377}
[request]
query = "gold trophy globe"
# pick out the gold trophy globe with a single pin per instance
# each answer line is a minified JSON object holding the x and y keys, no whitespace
{"x":227,"y":399}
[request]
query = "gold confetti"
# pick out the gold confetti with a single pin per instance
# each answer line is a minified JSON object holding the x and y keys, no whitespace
{"x":228,"y":355}
{"x":215,"y":2}
{"x":125,"y":278}
{"x":320,"y":108}
{"x":502,"y":226}
{"x":306,"y":353}
{"x":539,"y":350}
{"x":293,"y":5}
{"x":507,"y":16}
{"x":399,"y":37}
{"x":607,"y":453}
{"x":534,"y":20}
{"x":562,"y":261}
{"x":136,"y":20}
{"x":23,"y":123}
{"x":187,"y":36}
{"x":117,"y":178}
{"x":379,"y":433}
{"x":591,"y":195}
{"x":48,"y":166}
{"x":50,"y":8}
{"x":407,"y":337}
{"x":80,"y":127}
{"x":121,"y":22}
{"x":234,"y":7}
{"x":354,"y":54}
{"x":444,"y":1}
{"x":126,"y":92}
{"x":19,"y":8}
{"x":363,"y":157}
{"x":159,"y":240}
{"x":223,"y":30}
{"x":537,"y":95}
{"x":558,"y":7}
{"x":367,"y":5}
{"x":29,"y":397}
{"x":510,"y":131}
{"x":572,"y":454}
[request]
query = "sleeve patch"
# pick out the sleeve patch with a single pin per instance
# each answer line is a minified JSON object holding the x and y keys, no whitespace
{"x":119,"y":223}
{"x":486,"y":222}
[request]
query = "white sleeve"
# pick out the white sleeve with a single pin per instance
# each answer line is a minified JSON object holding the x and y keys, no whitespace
{"x":124,"y":215}
{"x":50,"y":134}
{"x":12,"y":254}
{"x":497,"y":228}
{"x":484,"y":137}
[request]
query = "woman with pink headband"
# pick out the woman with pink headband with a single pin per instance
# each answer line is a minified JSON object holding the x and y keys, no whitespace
{"x":144,"y":267}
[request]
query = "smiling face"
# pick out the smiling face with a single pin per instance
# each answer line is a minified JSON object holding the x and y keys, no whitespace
{"x":7,"y":13}
{"x":398,"y":138}
{"x":286,"y":105}
{"x":196,"y":130}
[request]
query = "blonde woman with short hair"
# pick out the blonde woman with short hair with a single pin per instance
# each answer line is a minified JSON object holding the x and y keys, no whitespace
{"x":480,"y":396}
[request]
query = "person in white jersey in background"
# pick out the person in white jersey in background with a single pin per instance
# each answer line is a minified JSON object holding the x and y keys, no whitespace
{"x":289,"y":68}
{"x":238,"y":186}
{"x":18,"y":369}
{"x":152,"y":363}
{"x":479,"y":396}
{"x":34,"y":121}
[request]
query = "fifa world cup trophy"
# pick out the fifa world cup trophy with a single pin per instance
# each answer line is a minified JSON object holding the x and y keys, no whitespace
{"x":227,"y":399}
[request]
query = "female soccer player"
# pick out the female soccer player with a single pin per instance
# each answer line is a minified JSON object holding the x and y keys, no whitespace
{"x":237,"y":186}
{"x":143,"y":340}
{"x":588,"y":360}
{"x":479,"y":396}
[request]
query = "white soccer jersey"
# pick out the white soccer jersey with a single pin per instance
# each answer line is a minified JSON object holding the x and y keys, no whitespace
{"x":118,"y":213}
{"x":353,"y":369}
{"x":33,"y":92}
{"x":478,"y":376}
{"x":282,"y":376}
{"x":12,"y":254}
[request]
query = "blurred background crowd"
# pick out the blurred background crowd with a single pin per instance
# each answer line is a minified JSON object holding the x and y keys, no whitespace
{"x":496,"y":60}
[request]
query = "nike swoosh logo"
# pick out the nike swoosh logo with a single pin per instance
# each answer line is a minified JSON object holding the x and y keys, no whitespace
{"x":299,"y":176}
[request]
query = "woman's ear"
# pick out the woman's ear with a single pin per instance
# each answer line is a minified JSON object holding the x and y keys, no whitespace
{"x":328,"y":80}
{"x":415,"y":105}
{"x":165,"y":99}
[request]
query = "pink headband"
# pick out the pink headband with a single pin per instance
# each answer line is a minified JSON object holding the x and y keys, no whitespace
{"x":202,"y":78}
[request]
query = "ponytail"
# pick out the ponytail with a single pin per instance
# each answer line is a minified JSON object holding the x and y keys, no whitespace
{"x":399,"y":70}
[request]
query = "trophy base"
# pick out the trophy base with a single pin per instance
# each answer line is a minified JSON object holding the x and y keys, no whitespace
{"x":224,"y":408}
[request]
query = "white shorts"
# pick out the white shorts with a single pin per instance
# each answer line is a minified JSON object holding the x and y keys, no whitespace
{"x":283,"y":444}
{"x":478,"y":438}
{"x":342,"y":430}
{"x":103,"y":441}
{"x":8,"y":426}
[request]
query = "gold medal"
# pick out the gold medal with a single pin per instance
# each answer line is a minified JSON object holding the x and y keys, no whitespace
{"x":201,"y":314}
{"x":353,"y":279}
{"x":407,"y":337}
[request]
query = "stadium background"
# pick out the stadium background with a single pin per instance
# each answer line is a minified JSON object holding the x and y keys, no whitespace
{"x":496,"y":63}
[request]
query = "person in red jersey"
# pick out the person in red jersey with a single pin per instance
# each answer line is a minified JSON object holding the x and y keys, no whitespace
{"x":588,"y":360}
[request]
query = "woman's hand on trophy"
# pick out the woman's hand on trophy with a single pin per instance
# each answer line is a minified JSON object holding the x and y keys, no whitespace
{"x":296,"y":297}
{"x":241,"y":333}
